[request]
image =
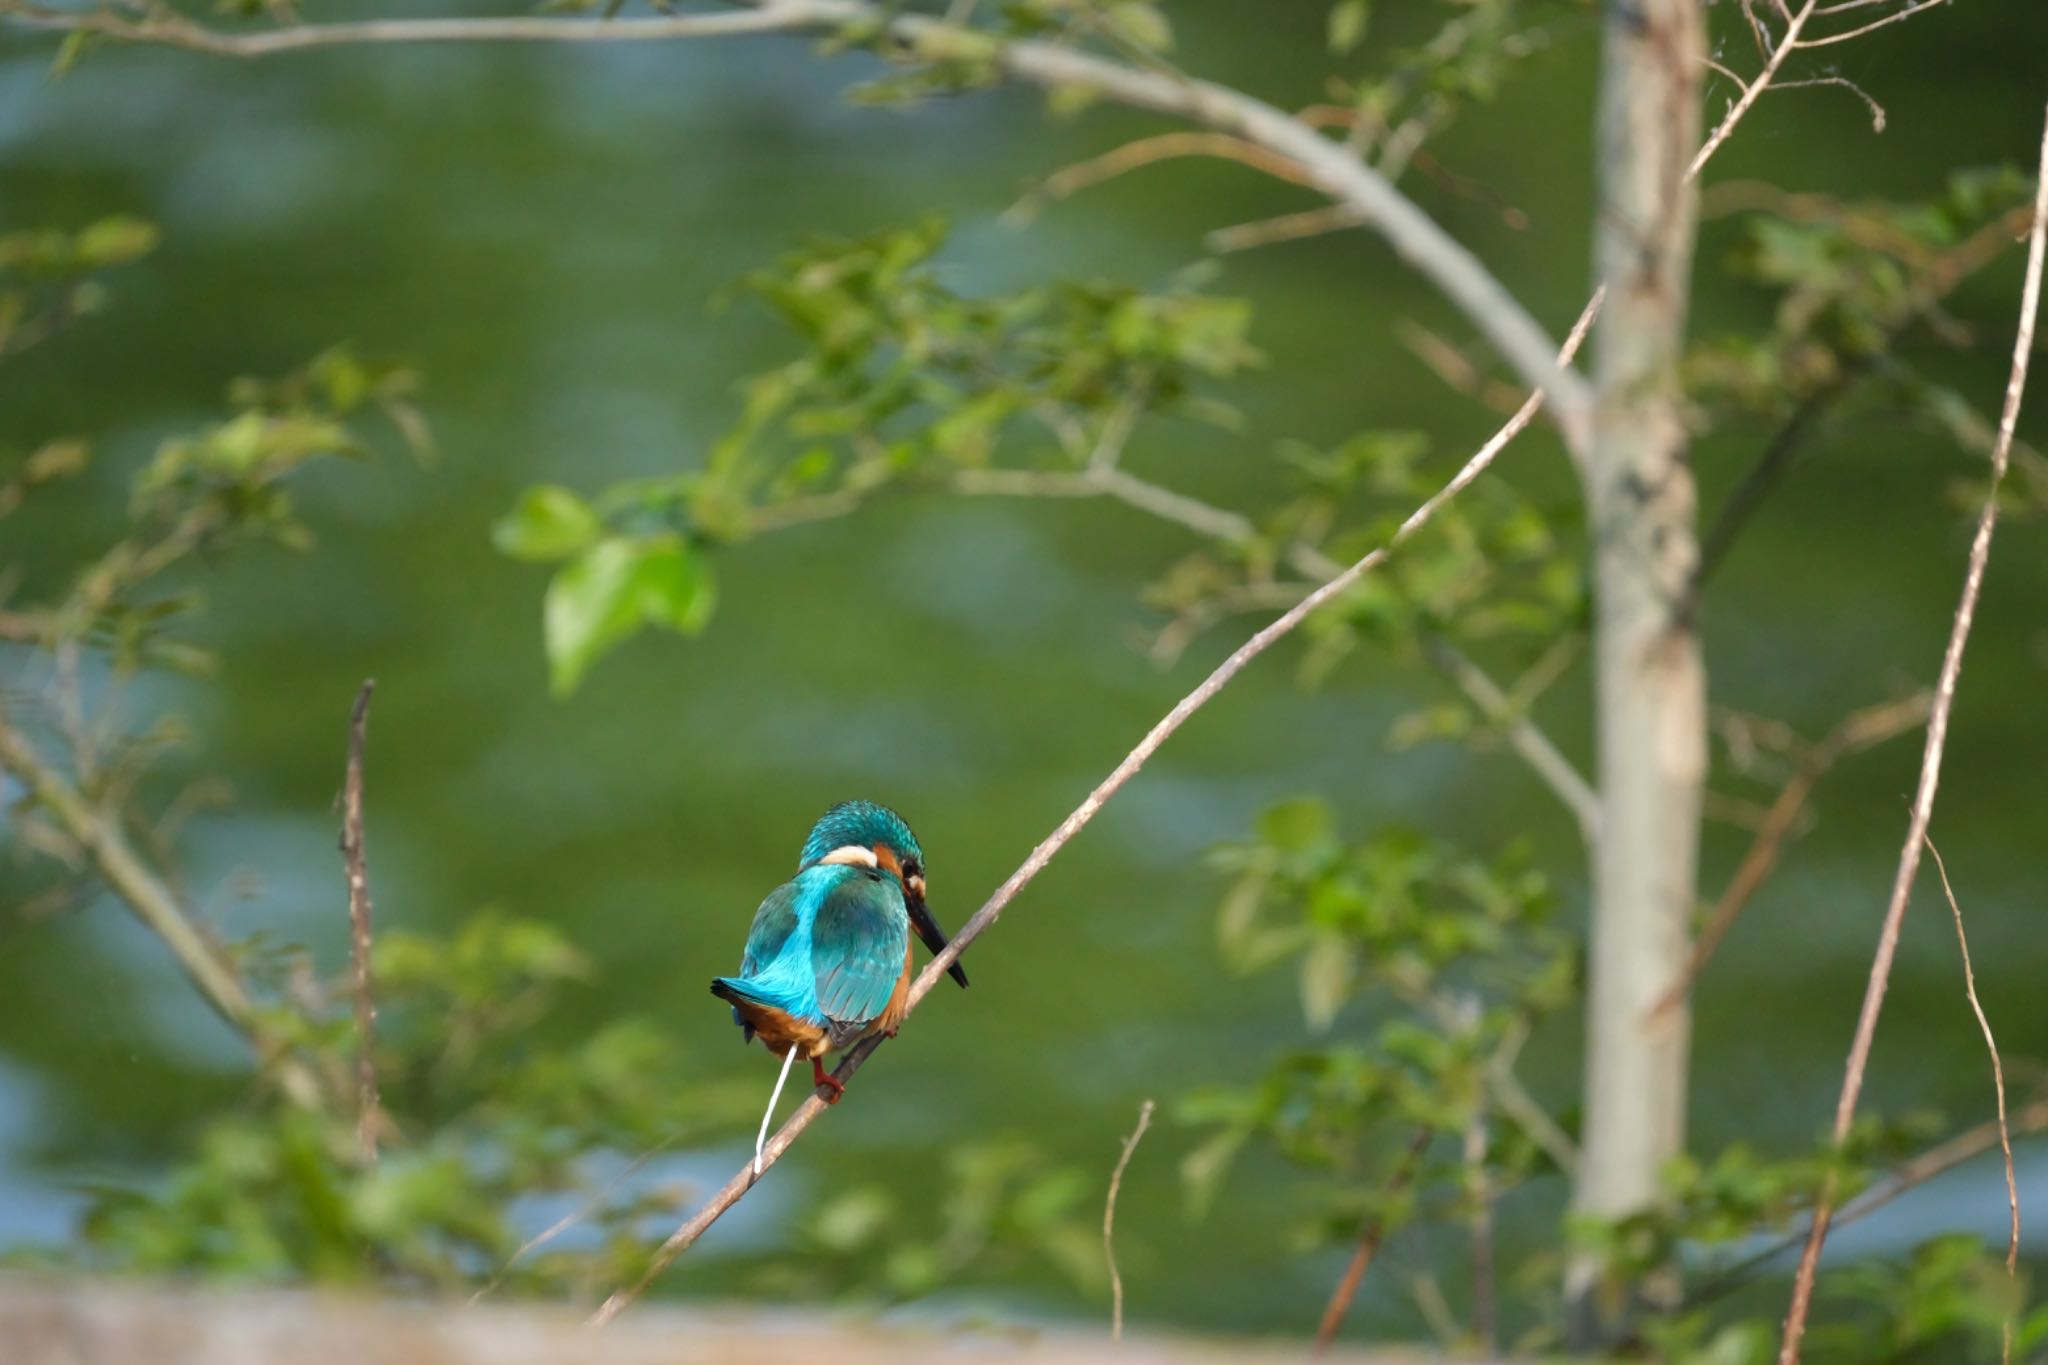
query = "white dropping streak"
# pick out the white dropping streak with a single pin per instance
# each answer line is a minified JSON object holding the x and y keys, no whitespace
{"x":761,"y":1139}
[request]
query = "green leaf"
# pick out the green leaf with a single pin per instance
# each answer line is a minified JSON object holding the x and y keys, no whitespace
{"x":1347,"y":24}
{"x":549,"y":523}
{"x":1141,"y":24}
{"x":589,"y":608}
{"x":676,"y":590}
{"x":1327,"y":970}
{"x":1297,"y":825}
{"x":613,"y":588}
{"x":1202,"y":1170}
{"x":115,"y":241}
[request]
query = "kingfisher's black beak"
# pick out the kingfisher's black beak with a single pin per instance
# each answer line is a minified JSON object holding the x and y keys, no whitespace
{"x":934,"y":937}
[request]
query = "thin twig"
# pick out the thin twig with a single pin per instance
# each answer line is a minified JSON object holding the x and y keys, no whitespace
{"x":1523,"y":735}
{"x":575,"y":1215}
{"x":1287,"y":227}
{"x":1904,"y":1178}
{"x":2012,"y":1183}
{"x":123,"y":870}
{"x":1369,"y":1238}
{"x":1930,"y":763}
{"x":1146,"y":151}
{"x":1454,"y":367}
{"x":807,"y":1113}
{"x":1116,"y":1184}
{"x":1485,"y":1317}
{"x":1873,"y":25}
{"x":1751,"y":92}
{"x":369,"y":1116}
{"x":1869,"y":726}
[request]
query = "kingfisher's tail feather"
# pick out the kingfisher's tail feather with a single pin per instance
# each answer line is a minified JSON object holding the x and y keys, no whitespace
{"x":734,"y":990}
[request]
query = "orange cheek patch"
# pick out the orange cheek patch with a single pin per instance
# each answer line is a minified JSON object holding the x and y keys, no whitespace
{"x":885,"y":858}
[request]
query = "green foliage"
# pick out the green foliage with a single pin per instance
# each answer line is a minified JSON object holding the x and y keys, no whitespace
{"x":1714,"y":1210}
{"x":1492,"y":570}
{"x":50,"y":279}
{"x":1004,"y":1206}
{"x":904,"y":381}
{"x":487,"y":1118}
{"x":1855,"y":289}
{"x":613,"y":588}
{"x":1456,"y":958}
{"x":1413,"y":93}
{"x":905,"y":374}
{"x":225,"y":485}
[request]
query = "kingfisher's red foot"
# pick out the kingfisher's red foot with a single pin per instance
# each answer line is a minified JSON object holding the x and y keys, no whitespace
{"x":825,"y":1082}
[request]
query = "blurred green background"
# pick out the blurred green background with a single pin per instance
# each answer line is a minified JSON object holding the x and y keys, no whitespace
{"x":542,"y":231}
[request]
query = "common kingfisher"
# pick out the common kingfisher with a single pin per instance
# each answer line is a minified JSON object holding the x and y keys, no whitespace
{"x":828,"y":958}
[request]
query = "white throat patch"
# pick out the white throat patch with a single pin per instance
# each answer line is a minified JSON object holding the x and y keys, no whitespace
{"x":852,"y":855}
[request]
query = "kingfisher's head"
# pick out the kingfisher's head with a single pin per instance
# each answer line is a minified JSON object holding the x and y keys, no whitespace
{"x":864,"y":834}
{"x":872,"y":836}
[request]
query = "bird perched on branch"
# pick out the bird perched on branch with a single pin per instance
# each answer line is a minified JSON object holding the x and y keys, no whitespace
{"x":828,"y":958}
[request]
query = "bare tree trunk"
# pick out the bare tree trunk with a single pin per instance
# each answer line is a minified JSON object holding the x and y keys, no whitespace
{"x":1650,"y":686}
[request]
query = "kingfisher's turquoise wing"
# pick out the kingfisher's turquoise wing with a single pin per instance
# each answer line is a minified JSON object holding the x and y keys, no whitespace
{"x":773,"y":923}
{"x":858,"y":941}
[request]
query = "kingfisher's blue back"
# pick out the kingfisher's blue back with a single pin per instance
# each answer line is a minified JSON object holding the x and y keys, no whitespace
{"x":826,"y":950}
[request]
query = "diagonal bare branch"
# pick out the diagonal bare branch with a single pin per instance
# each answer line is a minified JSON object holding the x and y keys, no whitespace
{"x":126,"y":873}
{"x":369,"y":1115}
{"x":1930,"y":762}
{"x":736,"y":1188}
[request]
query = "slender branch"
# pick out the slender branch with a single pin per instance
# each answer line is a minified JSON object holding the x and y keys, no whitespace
{"x":1146,"y":151}
{"x":1752,"y":91}
{"x":576,"y":1215}
{"x":2012,"y":1184}
{"x":1522,"y":734}
{"x":1369,"y":1238}
{"x":145,"y":894}
{"x":169,"y":30}
{"x":1930,"y":763}
{"x":1116,"y":1184}
{"x":1770,"y":467}
{"x":1873,"y":25}
{"x":1415,"y":236}
{"x":1287,"y":227}
{"x":369,"y":1118}
{"x":1906,"y":1177}
{"x":1872,"y":725}
{"x":1523,"y":737}
{"x":1485,"y":1316}
{"x":1937,"y":279}
{"x":1455,"y":368}
{"x":808,"y":1112}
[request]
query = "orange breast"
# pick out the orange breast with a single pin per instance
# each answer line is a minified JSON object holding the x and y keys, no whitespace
{"x":899,"y":1000}
{"x":779,"y":1029}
